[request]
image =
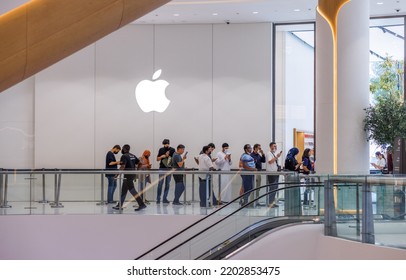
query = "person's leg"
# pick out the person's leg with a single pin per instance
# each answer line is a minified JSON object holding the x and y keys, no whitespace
{"x":124,"y":190}
{"x":272,"y":181}
{"x":247,"y":181}
{"x":166,"y":190}
{"x":135,"y":194}
{"x":258,"y":183}
{"x":214,"y":199}
{"x":202,"y":193}
{"x":141,"y":184}
{"x":159,"y":190}
{"x":179,"y":189}
{"x":111,"y":188}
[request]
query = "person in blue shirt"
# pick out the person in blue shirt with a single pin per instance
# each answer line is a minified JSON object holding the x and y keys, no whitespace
{"x":248,"y":163}
{"x":112,"y":164}
{"x":307,"y":168}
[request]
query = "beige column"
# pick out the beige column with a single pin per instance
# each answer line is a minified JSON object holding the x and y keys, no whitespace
{"x":342,"y":86}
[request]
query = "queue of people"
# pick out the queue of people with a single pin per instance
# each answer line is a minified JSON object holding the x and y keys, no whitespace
{"x":252,"y":159}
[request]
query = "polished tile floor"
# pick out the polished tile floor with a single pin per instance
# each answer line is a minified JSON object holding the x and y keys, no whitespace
{"x":94,"y":208}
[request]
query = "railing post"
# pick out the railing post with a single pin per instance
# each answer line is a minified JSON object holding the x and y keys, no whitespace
{"x":330,"y":225}
{"x":219,"y":193}
{"x":207,"y":190}
{"x":31,"y":178}
{"x":193,"y":187}
{"x":1,"y":188}
{"x":57,"y":204}
{"x":368,"y":233}
{"x":120,"y":181}
{"x":358,"y":220}
{"x":102,"y":202}
{"x":43,"y":189}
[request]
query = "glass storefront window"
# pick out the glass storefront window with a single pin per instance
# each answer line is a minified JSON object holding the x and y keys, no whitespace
{"x":294,"y":86}
{"x":386,"y":43}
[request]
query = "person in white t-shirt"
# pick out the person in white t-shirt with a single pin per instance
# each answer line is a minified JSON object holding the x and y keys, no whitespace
{"x":272,"y":165}
{"x":381,"y":161}
{"x":223,"y":163}
{"x":205,"y":164}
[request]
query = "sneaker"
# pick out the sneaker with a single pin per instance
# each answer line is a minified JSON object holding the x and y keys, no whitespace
{"x":142,"y":206}
{"x":158,"y":201}
{"x":177,"y":203}
{"x":165,"y":201}
{"x":117,"y":207}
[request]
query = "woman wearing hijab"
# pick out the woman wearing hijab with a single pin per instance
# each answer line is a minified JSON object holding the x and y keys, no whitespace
{"x":290,"y":162}
{"x":144,"y":164}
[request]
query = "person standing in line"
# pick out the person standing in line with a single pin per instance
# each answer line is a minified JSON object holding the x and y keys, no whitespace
{"x":272,"y":165}
{"x":178,"y":162}
{"x":129,"y":162}
{"x":205,"y":164}
{"x":259,"y":156}
{"x":212,"y":147}
{"x":223,"y":163}
{"x":164,"y":157}
{"x":143,"y":179}
{"x":291,"y":162}
{"x":112,"y":163}
{"x":248,"y":164}
{"x":307,"y":169}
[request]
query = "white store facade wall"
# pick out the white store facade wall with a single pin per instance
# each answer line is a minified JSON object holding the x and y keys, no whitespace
{"x":69,"y":115}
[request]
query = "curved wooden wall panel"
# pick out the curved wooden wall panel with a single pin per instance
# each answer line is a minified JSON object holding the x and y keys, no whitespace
{"x":42,"y":32}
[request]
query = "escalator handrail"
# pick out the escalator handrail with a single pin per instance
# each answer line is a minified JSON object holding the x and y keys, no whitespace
{"x":220,"y":209}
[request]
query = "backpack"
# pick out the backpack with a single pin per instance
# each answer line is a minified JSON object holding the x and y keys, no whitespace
{"x":168,"y":161}
{"x":290,"y":164}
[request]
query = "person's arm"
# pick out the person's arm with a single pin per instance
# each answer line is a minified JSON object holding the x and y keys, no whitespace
{"x":246,"y":167}
{"x":263,"y":159}
{"x":275,"y":158}
{"x":220,"y":159}
{"x":305,"y":163}
{"x":182,"y":162}
{"x":165,"y":155}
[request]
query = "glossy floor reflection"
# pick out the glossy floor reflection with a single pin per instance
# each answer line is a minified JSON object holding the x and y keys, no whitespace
{"x":90,"y":208}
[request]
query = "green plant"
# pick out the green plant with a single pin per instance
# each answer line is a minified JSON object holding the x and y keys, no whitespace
{"x":386,"y":117}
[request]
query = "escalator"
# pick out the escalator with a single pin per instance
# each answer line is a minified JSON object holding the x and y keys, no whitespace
{"x":228,"y":228}
{"x":237,"y":241}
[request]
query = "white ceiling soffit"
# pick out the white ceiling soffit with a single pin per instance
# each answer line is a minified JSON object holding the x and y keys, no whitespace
{"x":246,"y":11}
{"x":239,"y":11}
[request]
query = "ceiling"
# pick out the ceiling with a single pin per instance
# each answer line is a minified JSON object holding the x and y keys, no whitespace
{"x":243,"y":11}
{"x":239,"y":11}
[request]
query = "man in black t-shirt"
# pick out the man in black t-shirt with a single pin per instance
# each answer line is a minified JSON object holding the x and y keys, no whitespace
{"x":111,"y":163}
{"x":164,"y":157}
{"x":129,"y":162}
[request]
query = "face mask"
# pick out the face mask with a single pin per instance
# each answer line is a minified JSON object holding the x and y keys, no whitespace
{"x":311,"y":158}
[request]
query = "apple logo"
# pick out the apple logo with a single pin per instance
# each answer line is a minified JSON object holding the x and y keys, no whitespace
{"x":151,"y":96}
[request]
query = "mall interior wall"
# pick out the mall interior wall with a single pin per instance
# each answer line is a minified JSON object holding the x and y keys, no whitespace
{"x":70,"y":114}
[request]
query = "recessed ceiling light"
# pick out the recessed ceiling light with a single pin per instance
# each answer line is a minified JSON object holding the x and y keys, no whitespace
{"x":379,"y":3}
{"x":176,"y":15}
{"x":255,"y":13}
{"x":296,"y":10}
{"x":215,"y":14}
